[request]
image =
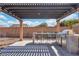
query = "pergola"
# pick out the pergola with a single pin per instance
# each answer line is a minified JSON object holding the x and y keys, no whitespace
{"x":38,"y":11}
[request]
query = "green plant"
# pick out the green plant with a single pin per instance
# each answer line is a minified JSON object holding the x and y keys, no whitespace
{"x":69,"y":23}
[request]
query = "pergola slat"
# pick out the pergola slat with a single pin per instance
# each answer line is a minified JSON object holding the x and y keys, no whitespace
{"x":31,"y":9}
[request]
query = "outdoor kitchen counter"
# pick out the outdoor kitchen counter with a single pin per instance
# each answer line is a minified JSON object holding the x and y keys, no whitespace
{"x":73,"y":43}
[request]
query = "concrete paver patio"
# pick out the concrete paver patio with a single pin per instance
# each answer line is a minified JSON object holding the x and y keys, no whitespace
{"x":27,"y":48}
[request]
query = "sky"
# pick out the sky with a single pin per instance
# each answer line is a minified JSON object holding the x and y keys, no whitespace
{"x":72,"y":16}
{"x":7,"y":20}
{"x":36,"y":22}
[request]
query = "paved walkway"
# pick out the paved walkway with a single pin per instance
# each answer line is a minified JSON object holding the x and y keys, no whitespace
{"x":21,"y":43}
{"x":26,"y":41}
{"x":26,"y":48}
{"x":60,"y":51}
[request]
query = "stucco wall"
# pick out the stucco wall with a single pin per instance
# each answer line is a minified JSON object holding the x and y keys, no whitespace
{"x":14,"y":31}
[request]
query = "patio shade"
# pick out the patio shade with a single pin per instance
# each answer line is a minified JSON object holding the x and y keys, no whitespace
{"x":39,"y":10}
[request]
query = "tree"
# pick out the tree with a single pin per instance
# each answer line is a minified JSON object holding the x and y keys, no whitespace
{"x":69,"y":23}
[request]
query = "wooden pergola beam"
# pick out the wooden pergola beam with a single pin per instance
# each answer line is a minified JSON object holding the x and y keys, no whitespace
{"x":67,"y":13}
{"x":74,"y":8}
{"x":0,"y":9}
{"x":10,"y":13}
{"x":78,"y":9}
{"x":37,"y":8}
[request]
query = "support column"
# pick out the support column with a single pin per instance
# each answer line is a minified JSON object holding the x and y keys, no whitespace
{"x":58,"y":30}
{"x":58,"y":27}
{"x":21,"y":30}
{"x":0,"y":9}
{"x":78,"y":9}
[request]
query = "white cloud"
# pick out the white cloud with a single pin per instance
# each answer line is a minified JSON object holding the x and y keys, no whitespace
{"x":3,"y":24}
{"x":27,"y":22}
{"x":37,"y":23}
{"x":32,"y":23}
{"x":51,"y":22}
{"x":13,"y":22}
{"x":72,"y":16}
{"x":2,"y":17}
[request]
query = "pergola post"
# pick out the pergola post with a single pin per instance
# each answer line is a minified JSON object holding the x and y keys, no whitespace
{"x":21,"y":30}
{"x":0,"y":9}
{"x":58,"y":27}
{"x":78,"y":9}
{"x":58,"y":30}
